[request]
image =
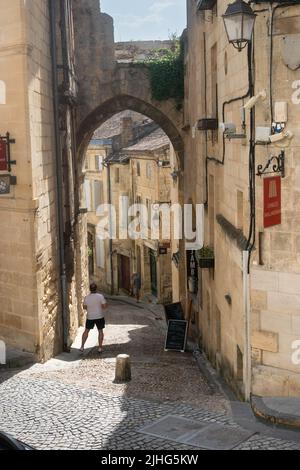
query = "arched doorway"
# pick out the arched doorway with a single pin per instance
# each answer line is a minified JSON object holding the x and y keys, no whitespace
{"x":121,"y":103}
{"x":86,"y":130}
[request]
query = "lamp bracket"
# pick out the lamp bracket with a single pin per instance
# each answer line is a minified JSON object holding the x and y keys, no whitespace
{"x":275,"y":164}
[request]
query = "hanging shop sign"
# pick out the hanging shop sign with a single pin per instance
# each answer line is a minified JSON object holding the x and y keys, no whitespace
{"x":5,"y":154}
{"x":192,"y":271}
{"x":272,"y":201}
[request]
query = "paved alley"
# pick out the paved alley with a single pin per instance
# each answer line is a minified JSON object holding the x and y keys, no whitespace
{"x":71,"y":402}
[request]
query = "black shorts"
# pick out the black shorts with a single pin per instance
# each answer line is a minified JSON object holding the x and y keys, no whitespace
{"x":90,"y":324}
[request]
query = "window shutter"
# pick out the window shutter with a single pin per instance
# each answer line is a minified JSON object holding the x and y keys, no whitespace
{"x":98,"y":194}
{"x":88,"y":199}
{"x":100,"y":253}
{"x":99,"y":162}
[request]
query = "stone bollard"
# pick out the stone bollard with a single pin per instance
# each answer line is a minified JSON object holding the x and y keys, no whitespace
{"x":123,"y":369}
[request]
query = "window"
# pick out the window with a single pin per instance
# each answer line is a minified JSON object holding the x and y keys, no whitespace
{"x":149,"y":171}
{"x":100,"y":253}
{"x":86,"y":163}
{"x":211,"y":210}
{"x":240,"y":210}
{"x":218,"y":330}
{"x":206,"y":4}
{"x":138,"y":168}
{"x":117,"y":175}
{"x":99,"y":163}
{"x":239,"y":364}
{"x":149,"y":210}
{"x":98,"y":194}
{"x":214,"y":88}
{"x":2,"y":92}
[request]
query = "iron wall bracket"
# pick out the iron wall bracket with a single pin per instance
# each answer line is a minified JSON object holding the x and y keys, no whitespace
{"x":275,"y":164}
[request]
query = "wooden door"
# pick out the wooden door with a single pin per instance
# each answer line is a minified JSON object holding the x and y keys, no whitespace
{"x":125,"y":273}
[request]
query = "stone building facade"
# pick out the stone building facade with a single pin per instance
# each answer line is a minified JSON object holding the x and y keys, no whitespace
{"x":54,"y":94}
{"x":247,"y":323}
{"x":136,"y":165}
{"x":38,"y":289}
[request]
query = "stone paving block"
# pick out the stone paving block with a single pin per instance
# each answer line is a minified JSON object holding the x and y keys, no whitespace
{"x":218,"y":437}
{"x":173,"y":427}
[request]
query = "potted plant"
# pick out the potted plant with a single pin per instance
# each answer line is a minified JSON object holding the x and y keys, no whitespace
{"x":206,"y":257}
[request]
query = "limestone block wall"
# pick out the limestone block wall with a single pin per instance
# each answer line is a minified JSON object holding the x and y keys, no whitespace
{"x":275,"y":285}
{"x":18,"y":283}
{"x":275,"y":299}
{"x":225,"y":189}
{"x":42,"y":162}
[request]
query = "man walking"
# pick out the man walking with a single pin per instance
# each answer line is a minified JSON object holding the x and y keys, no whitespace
{"x":94,"y":303}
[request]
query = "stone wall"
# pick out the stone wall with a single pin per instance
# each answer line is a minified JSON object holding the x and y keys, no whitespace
{"x":132,"y":51}
{"x":42,"y":158}
{"x":225,"y":192}
{"x":20,"y":303}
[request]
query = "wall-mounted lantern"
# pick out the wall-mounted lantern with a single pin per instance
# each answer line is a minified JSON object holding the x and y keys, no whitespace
{"x":239,"y":22}
{"x":175,"y":175}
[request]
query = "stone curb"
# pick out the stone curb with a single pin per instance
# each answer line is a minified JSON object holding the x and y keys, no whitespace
{"x":265,"y":413}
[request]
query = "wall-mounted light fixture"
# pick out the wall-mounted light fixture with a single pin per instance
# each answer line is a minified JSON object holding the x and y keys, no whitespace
{"x":239,"y":22}
{"x":175,"y":175}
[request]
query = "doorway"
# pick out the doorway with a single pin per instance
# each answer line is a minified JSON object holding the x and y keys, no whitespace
{"x":91,"y":254}
{"x":124,"y":273}
{"x":153,"y":273}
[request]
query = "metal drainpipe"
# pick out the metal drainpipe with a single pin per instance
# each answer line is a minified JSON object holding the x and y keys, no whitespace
{"x":59,"y":178}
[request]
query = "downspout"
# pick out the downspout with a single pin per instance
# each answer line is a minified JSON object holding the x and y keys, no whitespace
{"x":59,"y":178}
{"x":247,"y":326}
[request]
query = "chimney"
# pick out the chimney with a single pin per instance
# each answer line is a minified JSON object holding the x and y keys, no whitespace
{"x":127,"y":131}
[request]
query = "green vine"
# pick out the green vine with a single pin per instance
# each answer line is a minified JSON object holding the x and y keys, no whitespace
{"x":166,"y":68}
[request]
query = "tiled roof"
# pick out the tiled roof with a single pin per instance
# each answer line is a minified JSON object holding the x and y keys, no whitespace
{"x":113,"y":126}
{"x":155,"y":141}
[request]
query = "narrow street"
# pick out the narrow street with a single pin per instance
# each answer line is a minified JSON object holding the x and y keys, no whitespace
{"x":71,"y":402}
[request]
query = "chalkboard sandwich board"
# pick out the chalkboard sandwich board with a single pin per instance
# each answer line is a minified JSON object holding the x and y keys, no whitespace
{"x":174,"y":312}
{"x":176,"y":335}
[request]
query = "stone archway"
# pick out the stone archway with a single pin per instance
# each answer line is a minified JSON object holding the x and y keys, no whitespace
{"x":92,"y":122}
{"x":121,"y":103}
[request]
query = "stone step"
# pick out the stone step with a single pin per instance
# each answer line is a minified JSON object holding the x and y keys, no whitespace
{"x":16,"y":359}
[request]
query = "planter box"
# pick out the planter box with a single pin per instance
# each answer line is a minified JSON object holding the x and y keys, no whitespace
{"x":206,"y":263}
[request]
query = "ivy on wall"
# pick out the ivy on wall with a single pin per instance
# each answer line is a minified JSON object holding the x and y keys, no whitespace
{"x":166,"y":67}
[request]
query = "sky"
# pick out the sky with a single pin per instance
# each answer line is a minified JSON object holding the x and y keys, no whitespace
{"x":146,"y":19}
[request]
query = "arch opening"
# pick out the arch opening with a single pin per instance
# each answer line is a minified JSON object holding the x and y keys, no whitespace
{"x":128,"y":173}
{"x":126,"y":102}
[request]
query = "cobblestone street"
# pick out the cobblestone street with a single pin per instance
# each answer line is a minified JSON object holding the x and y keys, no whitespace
{"x":72,"y":403}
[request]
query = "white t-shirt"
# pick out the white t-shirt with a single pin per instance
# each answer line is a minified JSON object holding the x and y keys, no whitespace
{"x":94,"y":303}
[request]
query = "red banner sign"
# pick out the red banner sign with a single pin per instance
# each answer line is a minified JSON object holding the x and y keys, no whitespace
{"x":272,"y":201}
{"x":3,"y":156}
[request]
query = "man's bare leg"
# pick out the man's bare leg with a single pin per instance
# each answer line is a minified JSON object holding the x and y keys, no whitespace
{"x":84,"y":339}
{"x":101,"y":338}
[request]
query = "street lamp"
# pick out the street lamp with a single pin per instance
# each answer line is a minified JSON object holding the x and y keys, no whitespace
{"x":239,"y":22}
